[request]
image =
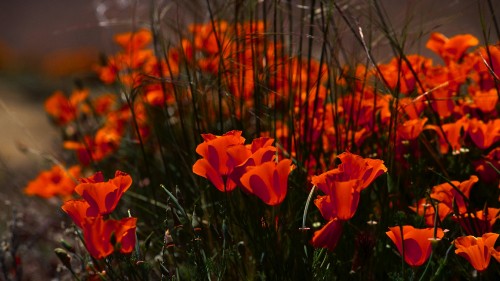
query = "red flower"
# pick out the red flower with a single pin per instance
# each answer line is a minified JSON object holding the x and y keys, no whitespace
{"x":54,"y":182}
{"x":410,"y":129}
{"x":485,"y":101}
{"x":245,"y":157}
{"x":62,"y":109}
{"x":268,"y":181}
{"x":480,"y":222}
{"x":451,"y":49}
{"x":352,"y":167}
{"x":328,"y":236}
{"x":131,"y":41}
{"x":97,"y":234}
{"x":448,"y":195}
{"x":341,"y":200}
{"x":484,"y":166}
{"x":414,"y":242}
{"x":476,"y":250}
{"x":125,"y":234}
{"x":425,"y":209}
{"x":452,"y":132}
{"x":215,"y":165}
{"x":342,"y":187}
{"x":484,"y":135}
{"x":356,"y":167}
{"x":77,"y":210}
{"x":104,"y":196}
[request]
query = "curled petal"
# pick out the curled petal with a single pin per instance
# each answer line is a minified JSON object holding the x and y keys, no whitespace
{"x":77,"y":210}
{"x":328,"y":236}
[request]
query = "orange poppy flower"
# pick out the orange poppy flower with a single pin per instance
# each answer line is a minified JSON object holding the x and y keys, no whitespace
{"x":54,"y":182}
{"x":484,"y":135}
{"x":426,"y":210}
{"x":451,"y":49}
{"x":476,"y":250}
{"x":410,"y":129}
{"x":453,"y":132}
{"x":215,"y":165}
{"x":480,"y":222}
{"x":356,"y":167}
{"x":97,"y":234}
{"x":134,"y":40}
{"x":414,"y":242}
{"x":107,"y":73}
{"x":104,"y":196}
{"x":103,"y":104}
{"x":63,"y":109}
{"x":412,"y":107}
{"x":397,"y":73}
{"x":125,"y":234}
{"x":486,"y":101}
{"x":483,"y":168}
{"x":328,"y":236}
{"x":77,"y":210}
{"x":97,"y":177}
{"x":486,"y":78}
{"x":448,"y":195}
{"x":442,"y":101}
{"x":244,"y":157}
{"x":268,"y":181}
{"x":342,"y":197}
{"x":103,"y":144}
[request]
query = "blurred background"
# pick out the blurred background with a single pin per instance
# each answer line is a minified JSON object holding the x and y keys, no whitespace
{"x":49,"y":44}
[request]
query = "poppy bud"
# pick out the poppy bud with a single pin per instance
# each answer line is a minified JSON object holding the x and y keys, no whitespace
{"x":64,"y":257}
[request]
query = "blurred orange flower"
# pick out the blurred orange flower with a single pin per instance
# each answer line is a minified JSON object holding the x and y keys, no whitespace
{"x":484,"y":134}
{"x":485,"y":101}
{"x":451,"y":49}
{"x":410,"y":129}
{"x":54,"y":182}
{"x":106,"y":141}
{"x":477,"y":250}
{"x":62,"y":109}
{"x":130,"y":41}
{"x":413,"y":243}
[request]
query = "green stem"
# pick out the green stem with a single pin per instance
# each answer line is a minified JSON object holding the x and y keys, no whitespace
{"x":306,"y":207}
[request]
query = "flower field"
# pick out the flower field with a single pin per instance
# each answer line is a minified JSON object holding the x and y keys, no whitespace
{"x":256,"y":145}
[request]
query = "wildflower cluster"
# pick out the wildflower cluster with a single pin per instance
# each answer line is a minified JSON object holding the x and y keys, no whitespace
{"x":99,"y":199}
{"x":253,"y":167}
{"x":410,"y":146}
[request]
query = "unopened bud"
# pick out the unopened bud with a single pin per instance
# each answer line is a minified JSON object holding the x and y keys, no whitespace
{"x":64,"y":257}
